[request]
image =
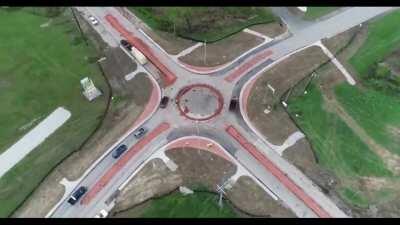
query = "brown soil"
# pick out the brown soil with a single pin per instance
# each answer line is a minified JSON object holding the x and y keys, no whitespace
{"x":120,"y":116}
{"x":271,"y":29}
{"x":302,"y":156}
{"x":334,"y":44}
{"x":169,"y":42}
{"x":196,"y":169}
{"x":223,"y":51}
{"x":153,"y":180}
{"x":342,"y":39}
{"x":200,"y":168}
{"x":277,"y":126}
{"x":254,"y":200}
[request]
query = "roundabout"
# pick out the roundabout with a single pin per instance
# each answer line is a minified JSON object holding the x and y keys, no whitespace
{"x":199,"y":102}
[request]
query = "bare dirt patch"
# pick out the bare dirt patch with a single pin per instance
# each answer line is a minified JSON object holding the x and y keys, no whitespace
{"x":276,"y":126}
{"x":153,"y":180}
{"x":303,"y":157}
{"x":350,"y":40}
{"x":254,"y":200}
{"x":121,"y":115}
{"x":271,"y":29}
{"x":223,"y":51}
{"x":170,"y":43}
{"x":197,"y":169}
{"x":200,"y":168}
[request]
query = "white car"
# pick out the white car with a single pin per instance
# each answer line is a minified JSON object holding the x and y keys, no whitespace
{"x":103,"y":214}
{"x":93,"y":20}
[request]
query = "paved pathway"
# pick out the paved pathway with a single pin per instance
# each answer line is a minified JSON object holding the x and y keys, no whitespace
{"x":32,"y":139}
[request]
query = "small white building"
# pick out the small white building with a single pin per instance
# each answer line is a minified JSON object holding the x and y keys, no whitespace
{"x":89,"y":90}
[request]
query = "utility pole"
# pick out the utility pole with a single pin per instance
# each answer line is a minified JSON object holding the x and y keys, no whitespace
{"x":221,"y":192}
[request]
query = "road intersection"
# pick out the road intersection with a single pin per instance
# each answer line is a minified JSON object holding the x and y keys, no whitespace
{"x":231,"y":130}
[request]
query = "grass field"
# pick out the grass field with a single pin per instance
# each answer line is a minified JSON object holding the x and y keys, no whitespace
{"x":176,"y":205}
{"x":383,"y":37}
{"x":378,"y":114}
{"x":316,"y":12}
{"x":355,"y":197}
{"x":336,"y":146}
{"x":40,"y":69}
{"x":202,"y":23}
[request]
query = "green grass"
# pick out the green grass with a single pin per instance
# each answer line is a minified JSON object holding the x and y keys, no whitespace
{"x":198,"y":205}
{"x":40,"y":69}
{"x":383,"y":38}
{"x":313,"y":13}
{"x":336,"y":146}
{"x":355,"y":197}
{"x":375,"y":112}
{"x":203,"y":23}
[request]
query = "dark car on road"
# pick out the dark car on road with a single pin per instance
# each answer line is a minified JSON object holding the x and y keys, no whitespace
{"x":118,"y":152}
{"x":233,"y":105}
{"x":164,"y":102}
{"x":139,"y":132}
{"x":77,"y":195}
{"x":126,"y":44}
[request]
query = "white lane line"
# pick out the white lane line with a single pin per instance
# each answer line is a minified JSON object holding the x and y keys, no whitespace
{"x":32,"y":139}
{"x":346,"y":74}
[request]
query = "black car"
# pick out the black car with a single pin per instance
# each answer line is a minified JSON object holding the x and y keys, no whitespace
{"x":139,"y":132}
{"x":77,"y":195}
{"x":126,"y":44}
{"x":164,"y":102}
{"x":233,"y":105}
{"x":118,"y":152}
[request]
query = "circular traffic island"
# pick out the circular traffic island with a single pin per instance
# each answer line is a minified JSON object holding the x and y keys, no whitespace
{"x":199,"y":102}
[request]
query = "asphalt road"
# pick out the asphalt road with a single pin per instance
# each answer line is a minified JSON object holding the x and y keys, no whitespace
{"x":215,"y":128}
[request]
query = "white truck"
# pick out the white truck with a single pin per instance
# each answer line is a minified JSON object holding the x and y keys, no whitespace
{"x":139,"y":56}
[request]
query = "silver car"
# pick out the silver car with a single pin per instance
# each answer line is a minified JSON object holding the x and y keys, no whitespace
{"x":140,"y":132}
